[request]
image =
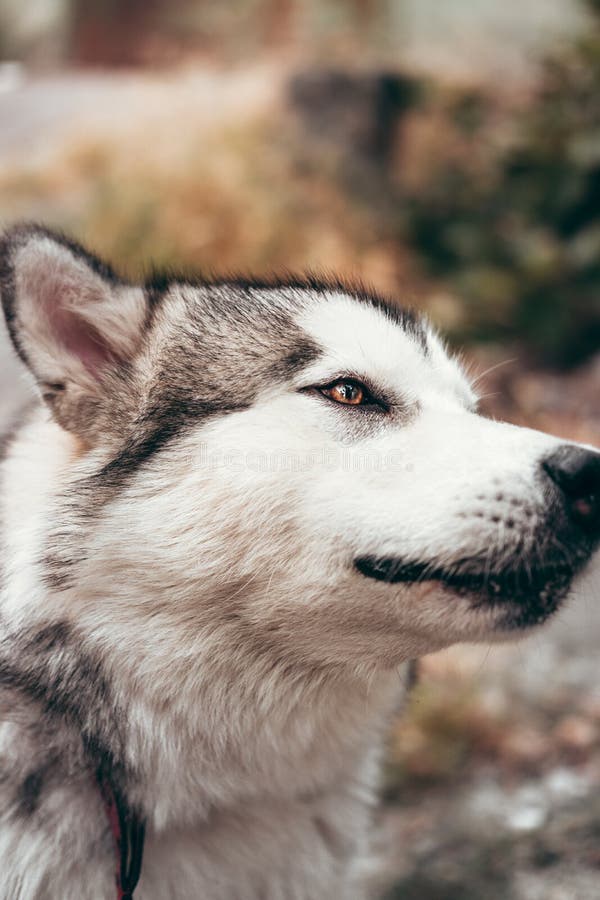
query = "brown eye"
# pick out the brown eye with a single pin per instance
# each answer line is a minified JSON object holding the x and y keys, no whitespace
{"x":347,"y":392}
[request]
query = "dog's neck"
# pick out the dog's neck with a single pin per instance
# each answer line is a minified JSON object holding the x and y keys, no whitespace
{"x":255,"y":738}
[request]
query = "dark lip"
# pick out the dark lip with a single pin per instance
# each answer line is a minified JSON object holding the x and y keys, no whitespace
{"x":529,"y":595}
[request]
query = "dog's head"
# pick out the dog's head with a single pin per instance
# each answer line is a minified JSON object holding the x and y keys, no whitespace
{"x":299,"y":462}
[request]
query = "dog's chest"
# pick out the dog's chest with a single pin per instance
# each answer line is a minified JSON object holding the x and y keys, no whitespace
{"x":288,"y":815}
{"x":306,"y":850}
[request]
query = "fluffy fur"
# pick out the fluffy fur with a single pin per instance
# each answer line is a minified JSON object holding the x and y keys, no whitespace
{"x":183,"y":513}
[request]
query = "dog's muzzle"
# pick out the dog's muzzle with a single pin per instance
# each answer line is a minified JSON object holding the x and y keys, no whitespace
{"x":532,"y":586}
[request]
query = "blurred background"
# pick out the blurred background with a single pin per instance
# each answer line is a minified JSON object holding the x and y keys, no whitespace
{"x":445,"y":153}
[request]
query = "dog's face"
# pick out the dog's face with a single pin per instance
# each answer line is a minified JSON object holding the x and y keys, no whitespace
{"x":300,"y":463}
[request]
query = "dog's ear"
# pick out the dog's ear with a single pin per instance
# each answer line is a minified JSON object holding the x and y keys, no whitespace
{"x":71,"y":320}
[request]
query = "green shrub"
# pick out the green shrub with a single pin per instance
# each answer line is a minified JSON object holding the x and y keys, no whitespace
{"x":519,"y":241}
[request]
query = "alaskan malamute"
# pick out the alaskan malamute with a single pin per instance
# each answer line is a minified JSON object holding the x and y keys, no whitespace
{"x":236,"y":512}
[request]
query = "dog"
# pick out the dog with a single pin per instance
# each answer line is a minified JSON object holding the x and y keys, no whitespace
{"x":233,"y":514}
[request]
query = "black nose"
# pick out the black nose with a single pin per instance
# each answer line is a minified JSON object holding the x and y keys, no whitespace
{"x":576,"y":472}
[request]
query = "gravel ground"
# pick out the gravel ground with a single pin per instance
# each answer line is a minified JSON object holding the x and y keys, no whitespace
{"x":483,"y":840}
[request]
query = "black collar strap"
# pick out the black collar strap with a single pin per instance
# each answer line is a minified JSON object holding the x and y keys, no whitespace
{"x":128,"y":835}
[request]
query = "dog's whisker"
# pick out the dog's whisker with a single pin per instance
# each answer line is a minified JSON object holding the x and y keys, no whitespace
{"x":488,"y":371}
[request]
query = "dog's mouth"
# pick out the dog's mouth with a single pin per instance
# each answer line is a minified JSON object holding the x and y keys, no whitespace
{"x":528,"y":595}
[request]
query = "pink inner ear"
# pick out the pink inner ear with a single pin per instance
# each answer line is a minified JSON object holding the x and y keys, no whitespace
{"x":80,"y":339}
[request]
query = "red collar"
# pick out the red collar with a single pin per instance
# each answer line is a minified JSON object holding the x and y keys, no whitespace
{"x":128,"y":836}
